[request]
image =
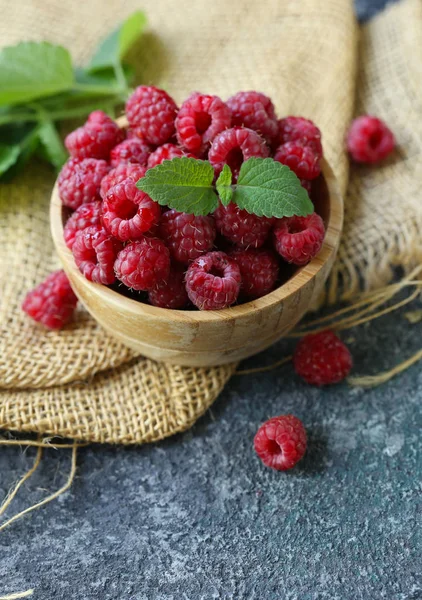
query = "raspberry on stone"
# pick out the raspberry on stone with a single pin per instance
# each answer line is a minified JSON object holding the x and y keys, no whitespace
{"x":298,"y":129}
{"x":281,"y":442}
{"x":95,"y":139}
{"x":166,"y":152}
{"x":119,"y":174}
{"x":322,"y":358}
{"x":301,"y":159}
{"x":79,"y":181}
{"x":151,"y":113}
{"x":86,"y":215}
{"x":240,"y":227}
{"x":186,"y":235}
{"x":199,"y":120}
{"x":369,"y":140}
{"x":143,"y":264}
{"x":255,"y":111}
{"x":259,"y":271}
{"x":129,"y":212}
{"x":298,"y":239}
{"x":94,"y":251}
{"x":234,"y":146}
{"x":132,"y":150}
{"x":171,"y":292}
{"x":52,"y":302}
{"x":213,"y":281}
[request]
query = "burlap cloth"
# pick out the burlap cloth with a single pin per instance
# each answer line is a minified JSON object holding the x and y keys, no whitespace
{"x":80,"y":383}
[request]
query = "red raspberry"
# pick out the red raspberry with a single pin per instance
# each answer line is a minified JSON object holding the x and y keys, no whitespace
{"x":52,"y":302}
{"x":79,"y":181}
{"x":171,"y":292}
{"x":143,"y":264}
{"x":307,"y":185}
{"x":322,"y":358}
{"x":94,"y":251}
{"x":256,"y":111}
{"x":95,"y":139}
{"x":187,"y":236}
{"x":213,"y":281}
{"x":259,"y":271}
{"x":298,"y":239}
{"x":234,"y":146}
{"x":199,"y":120}
{"x":369,"y":140}
{"x":84,"y":216}
{"x":241,"y":228}
{"x":166,"y":152}
{"x":129,"y":212}
{"x":119,"y":174}
{"x":281,"y":442}
{"x":133,"y":150}
{"x":301,"y":159}
{"x":298,"y":129}
{"x":151,"y":114}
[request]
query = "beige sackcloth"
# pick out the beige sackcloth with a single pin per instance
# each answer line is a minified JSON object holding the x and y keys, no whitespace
{"x":309,"y":57}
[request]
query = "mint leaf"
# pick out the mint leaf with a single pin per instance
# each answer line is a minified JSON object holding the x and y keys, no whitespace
{"x":33,"y":70}
{"x":8,"y":156}
{"x":52,"y":144}
{"x":267,"y":188}
{"x":184,"y":184}
{"x":223,"y":185}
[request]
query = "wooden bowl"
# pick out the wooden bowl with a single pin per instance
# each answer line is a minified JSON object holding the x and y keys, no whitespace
{"x":207,"y":338}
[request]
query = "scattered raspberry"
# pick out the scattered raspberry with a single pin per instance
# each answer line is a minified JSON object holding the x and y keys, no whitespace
{"x":298,"y":129}
{"x":213,"y":281}
{"x":187,"y":236}
{"x":171,"y":292}
{"x":129,"y":212}
{"x":143,"y":264}
{"x":256,"y":111}
{"x":199,"y":120}
{"x":86,"y":215}
{"x":95,"y":139}
{"x":234,"y":146}
{"x":79,"y":181}
{"x":241,"y":228}
{"x":281,"y":442}
{"x":119,"y":174}
{"x":151,"y":114}
{"x":298,"y":239}
{"x":52,"y":302}
{"x":301,"y":159}
{"x":166,"y":152}
{"x":369,"y":140}
{"x":259,"y":271}
{"x":94,"y":251}
{"x":322,"y":358}
{"x":132,"y":150}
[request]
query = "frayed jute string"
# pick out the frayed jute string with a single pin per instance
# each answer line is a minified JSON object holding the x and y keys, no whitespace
{"x":17,"y":595}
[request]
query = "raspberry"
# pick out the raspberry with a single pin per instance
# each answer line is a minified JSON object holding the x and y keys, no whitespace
{"x":298,"y":129}
{"x":307,"y":185}
{"x":95,"y":139}
{"x":94,"y":251}
{"x":301,"y":159}
{"x":322,"y":358}
{"x":281,"y":442}
{"x":199,"y":120}
{"x":79,"y":181}
{"x":256,"y":111}
{"x":52,"y":302}
{"x":213,"y":281}
{"x":84,"y":216}
{"x":187,"y":236}
{"x":298,"y":239}
{"x":171,"y":292}
{"x":143,"y":264}
{"x":369,"y":140}
{"x":151,"y":114}
{"x":132,"y":150}
{"x":119,"y":174}
{"x":241,"y":228}
{"x":129,"y":212}
{"x":166,"y":152}
{"x":234,"y":146}
{"x":259,"y":271}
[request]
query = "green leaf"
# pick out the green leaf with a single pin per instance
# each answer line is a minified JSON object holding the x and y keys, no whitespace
{"x":184,"y":184}
{"x":267,"y":188}
{"x":8,"y":156}
{"x":26,"y":138}
{"x":33,"y":70}
{"x":223,"y":185}
{"x":52,"y":144}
